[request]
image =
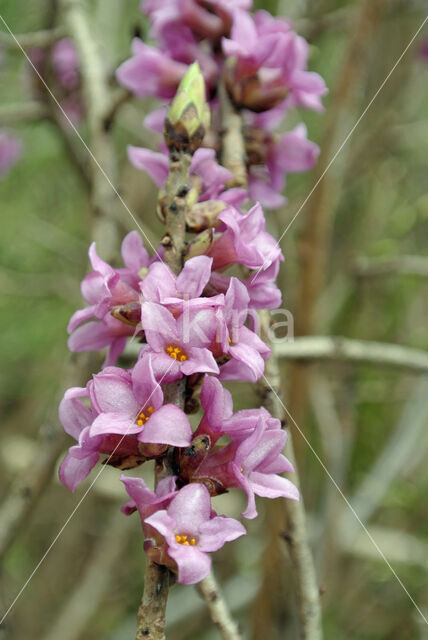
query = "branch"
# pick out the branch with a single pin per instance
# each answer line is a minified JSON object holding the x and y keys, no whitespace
{"x":328,"y":183}
{"x":381,"y":267}
{"x":103,"y":169}
{"x":43,"y":38}
{"x":296,"y":530}
{"x":93,"y":585}
{"x":218,"y":609}
{"x":151,"y":613}
{"x":338,"y":349}
{"x":16,"y":113}
{"x":28,"y":487}
{"x":233,"y":157}
{"x":406,"y":442}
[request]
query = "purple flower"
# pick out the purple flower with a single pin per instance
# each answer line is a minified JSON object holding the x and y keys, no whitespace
{"x":132,"y":403}
{"x":103,"y":289}
{"x":262,"y":290}
{"x":161,"y":285}
{"x":191,"y":531}
{"x":150,"y":72}
{"x":209,"y":177}
{"x":10,"y":151}
{"x":76,"y":419}
{"x":180,"y":346}
{"x":65,"y":62}
{"x":144,"y":499}
{"x":252,"y":460}
{"x":291,"y":153}
{"x":268,"y":64}
{"x":244,"y":240}
{"x":246,"y":350}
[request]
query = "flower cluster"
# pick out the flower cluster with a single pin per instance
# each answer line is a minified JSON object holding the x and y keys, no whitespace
{"x":263,"y":64}
{"x":197,"y":328}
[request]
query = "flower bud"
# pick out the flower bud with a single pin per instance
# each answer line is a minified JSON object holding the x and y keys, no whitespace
{"x":200,"y":244}
{"x":188,"y":117}
{"x":203,"y":215}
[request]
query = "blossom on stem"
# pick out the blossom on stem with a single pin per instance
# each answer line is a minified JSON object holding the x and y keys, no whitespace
{"x":131,"y":403}
{"x":105,"y":288}
{"x":179,"y":346}
{"x":244,"y":240}
{"x":190,"y":531}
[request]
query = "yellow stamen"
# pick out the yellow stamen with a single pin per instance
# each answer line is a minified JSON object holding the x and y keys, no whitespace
{"x":183,"y":539}
{"x":143,"y":416}
{"x":175,"y":352}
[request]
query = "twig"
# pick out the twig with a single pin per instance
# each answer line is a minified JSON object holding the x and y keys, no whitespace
{"x":233,"y":155}
{"x":338,"y":349}
{"x":27,"y":488}
{"x":92,"y":586}
{"x":119,"y":99}
{"x":218,"y":609}
{"x":382,"y":267}
{"x":303,"y":567}
{"x":43,"y":38}
{"x":97,"y":101}
{"x":151,"y":613}
{"x":406,"y":439}
{"x":322,"y":206}
{"x":307,"y":591}
{"x":13,"y":113}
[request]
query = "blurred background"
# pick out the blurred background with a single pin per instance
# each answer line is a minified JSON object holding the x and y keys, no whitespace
{"x":356,"y":266}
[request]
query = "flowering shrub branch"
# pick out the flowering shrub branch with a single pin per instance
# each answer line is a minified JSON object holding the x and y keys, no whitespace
{"x":193,"y":317}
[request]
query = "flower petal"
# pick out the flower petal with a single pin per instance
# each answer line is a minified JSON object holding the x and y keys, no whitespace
{"x":167,"y":425}
{"x":217,"y":531}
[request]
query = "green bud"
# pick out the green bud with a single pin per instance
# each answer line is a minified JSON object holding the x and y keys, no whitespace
{"x":189,"y":115}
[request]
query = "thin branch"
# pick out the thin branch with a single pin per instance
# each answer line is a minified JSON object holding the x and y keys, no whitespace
{"x":44,"y":38}
{"x":93,"y":585}
{"x":218,"y":609}
{"x":328,"y":183}
{"x":383,"y":267}
{"x":233,"y":157}
{"x":17,"y":113}
{"x":151,"y":620}
{"x":407,"y":439}
{"x":29,"y":485}
{"x":97,"y":101}
{"x":338,"y":349}
{"x":295,"y":534}
{"x":119,"y":99}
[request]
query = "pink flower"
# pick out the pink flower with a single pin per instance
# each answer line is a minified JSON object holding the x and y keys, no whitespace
{"x":252,"y":461}
{"x":65,"y":62}
{"x":291,"y":153}
{"x":176,"y":293}
{"x":204,"y":169}
{"x":144,"y":499}
{"x":103,"y":289}
{"x":244,"y":240}
{"x":246,"y":350}
{"x":179,"y":346}
{"x":150,"y":72}
{"x":76,"y":419}
{"x":269,"y":65}
{"x":190,"y":531}
{"x":10,"y":151}
{"x":131,"y":403}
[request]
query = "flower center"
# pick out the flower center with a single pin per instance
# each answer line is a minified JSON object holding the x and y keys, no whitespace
{"x":143,"y":416}
{"x":176,"y":353}
{"x":186,"y":540}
